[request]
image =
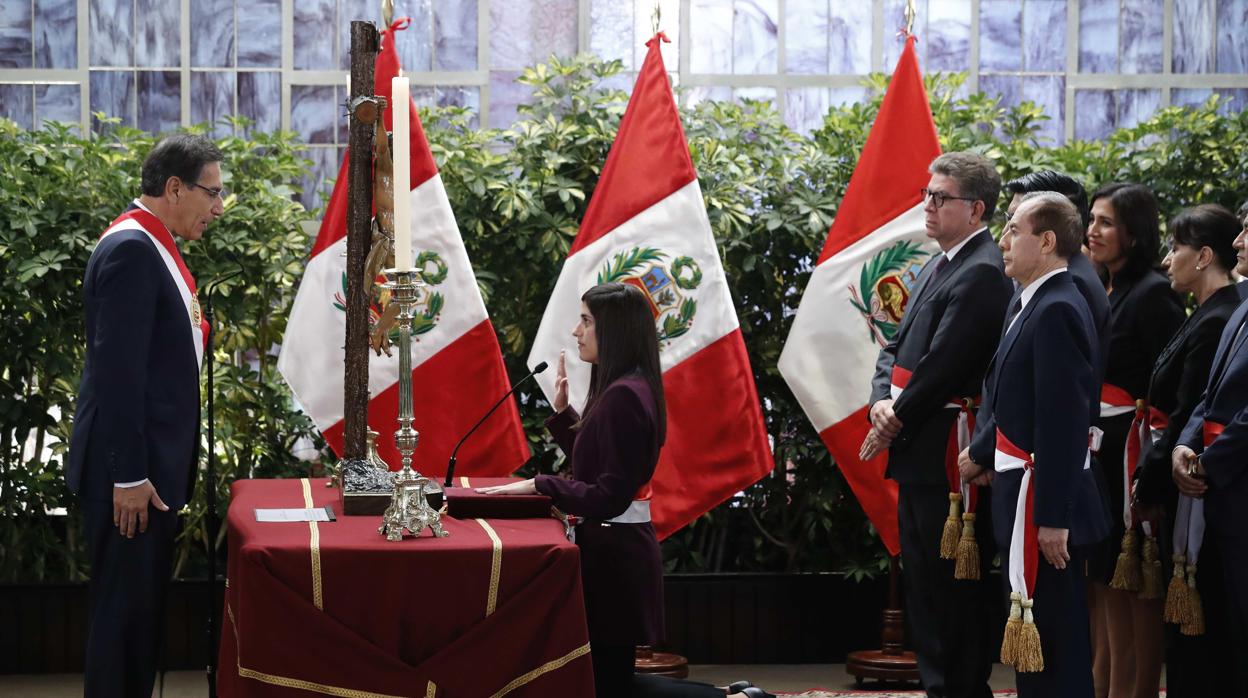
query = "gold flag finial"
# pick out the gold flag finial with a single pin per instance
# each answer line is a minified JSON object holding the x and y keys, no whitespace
{"x":655,"y":17}
{"x":387,"y":12}
{"x":911,"y":13}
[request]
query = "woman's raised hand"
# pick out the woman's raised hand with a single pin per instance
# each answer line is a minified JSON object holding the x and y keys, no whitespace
{"x":561,"y":384}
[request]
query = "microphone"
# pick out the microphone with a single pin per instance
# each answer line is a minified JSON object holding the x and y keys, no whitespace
{"x":450,"y":466}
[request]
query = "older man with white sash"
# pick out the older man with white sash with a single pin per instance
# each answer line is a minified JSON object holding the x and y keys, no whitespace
{"x":1045,"y":503}
{"x":136,"y":427}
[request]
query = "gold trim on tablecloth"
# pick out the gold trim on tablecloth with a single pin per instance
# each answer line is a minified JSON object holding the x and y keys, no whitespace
{"x":496,"y":567}
{"x":318,"y":598}
{"x":431,"y":690}
{"x":287,"y":682}
{"x":463,"y":481}
{"x":543,"y":669}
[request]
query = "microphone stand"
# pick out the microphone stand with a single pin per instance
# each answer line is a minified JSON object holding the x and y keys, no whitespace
{"x":450,"y":465}
{"x":210,"y":480}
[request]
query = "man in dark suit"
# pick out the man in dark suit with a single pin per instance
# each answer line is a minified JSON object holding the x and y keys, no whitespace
{"x":136,"y":428}
{"x":1211,"y":461}
{"x":1042,"y":383}
{"x":933,"y":365}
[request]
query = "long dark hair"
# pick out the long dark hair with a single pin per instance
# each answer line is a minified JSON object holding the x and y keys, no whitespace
{"x":627,"y":344}
{"x":1135,"y":209}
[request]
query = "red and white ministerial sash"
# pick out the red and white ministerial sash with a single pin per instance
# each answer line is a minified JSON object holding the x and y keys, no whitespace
{"x":1114,"y":402}
{"x":142,"y":219}
{"x":959,"y":437}
{"x":1189,"y":517}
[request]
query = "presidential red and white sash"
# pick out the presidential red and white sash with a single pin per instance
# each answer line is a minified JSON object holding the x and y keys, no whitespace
{"x":142,"y":219}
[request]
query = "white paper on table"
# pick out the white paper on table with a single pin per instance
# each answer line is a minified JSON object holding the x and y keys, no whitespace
{"x":270,"y":515}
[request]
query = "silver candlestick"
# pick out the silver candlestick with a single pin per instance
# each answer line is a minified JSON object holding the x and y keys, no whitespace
{"x":409,"y":507}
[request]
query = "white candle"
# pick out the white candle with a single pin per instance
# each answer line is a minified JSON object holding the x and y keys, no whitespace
{"x":400,"y":102}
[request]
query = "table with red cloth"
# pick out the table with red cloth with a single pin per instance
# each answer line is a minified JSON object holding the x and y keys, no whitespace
{"x":333,"y":608}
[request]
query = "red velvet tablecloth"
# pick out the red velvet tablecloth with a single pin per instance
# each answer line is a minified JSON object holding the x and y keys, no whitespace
{"x":333,"y":608}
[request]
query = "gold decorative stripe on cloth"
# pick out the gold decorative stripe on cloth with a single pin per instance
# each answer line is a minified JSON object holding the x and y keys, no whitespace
{"x":496,"y":566}
{"x":287,"y":682}
{"x":314,"y":544}
{"x":431,"y":690}
{"x":463,"y":481}
{"x":543,"y":669}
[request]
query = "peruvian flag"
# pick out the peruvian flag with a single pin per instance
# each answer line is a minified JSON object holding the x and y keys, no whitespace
{"x":646,"y":225}
{"x":457,"y":369}
{"x":860,"y":285}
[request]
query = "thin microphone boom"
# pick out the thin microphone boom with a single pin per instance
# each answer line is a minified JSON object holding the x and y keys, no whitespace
{"x":450,"y":466}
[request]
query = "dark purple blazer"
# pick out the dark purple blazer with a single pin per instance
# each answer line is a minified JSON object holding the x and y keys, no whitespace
{"x":613,"y":455}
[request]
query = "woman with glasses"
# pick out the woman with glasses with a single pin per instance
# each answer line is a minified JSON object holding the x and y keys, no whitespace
{"x":1124,"y":239}
{"x":1199,"y":263}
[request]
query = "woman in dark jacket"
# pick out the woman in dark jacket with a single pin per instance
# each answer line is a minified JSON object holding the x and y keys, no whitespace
{"x":1200,"y":262}
{"x":1124,"y":239}
{"x":613,"y":448}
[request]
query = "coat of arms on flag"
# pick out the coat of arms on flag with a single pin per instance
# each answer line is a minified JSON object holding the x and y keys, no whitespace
{"x":669,"y":287}
{"x":885,"y":285}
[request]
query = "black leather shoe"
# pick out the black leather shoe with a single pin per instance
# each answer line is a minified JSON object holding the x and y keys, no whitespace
{"x":738,"y":686}
{"x":756,"y":692}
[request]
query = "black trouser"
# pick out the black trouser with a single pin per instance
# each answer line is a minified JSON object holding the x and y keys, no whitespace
{"x":950,"y":620}
{"x":1234,"y":551}
{"x":1196,"y":664}
{"x":129,"y":577}
{"x":614,"y":677}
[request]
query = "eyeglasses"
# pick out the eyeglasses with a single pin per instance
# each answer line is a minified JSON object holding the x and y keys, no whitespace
{"x":220,"y":192}
{"x":939,"y":197}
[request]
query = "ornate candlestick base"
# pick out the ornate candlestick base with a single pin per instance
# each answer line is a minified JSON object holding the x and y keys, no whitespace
{"x":409,"y":509}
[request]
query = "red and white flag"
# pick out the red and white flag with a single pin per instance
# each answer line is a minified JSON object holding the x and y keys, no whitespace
{"x":646,"y":225}
{"x":457,"y":368}
{"x":859,"y":288}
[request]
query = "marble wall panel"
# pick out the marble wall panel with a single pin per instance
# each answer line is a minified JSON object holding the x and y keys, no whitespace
{"x":461,"y":96}
{"x":669,"y":24}
{"x":159,"y":99}
{"x":1049,"y":92}
{"x":895,"y":22}
{"x":416,"y":43}
{"x":804,"y":108}
{"x":948,"y":39}
{"x":1143,"y":24}
{"x":806,"y":37}
{"x":347,"y":12}
{"x":1193,"y":36}
{"x":260,"y":99}
{"x":755,"y":37}
{"x":315,"y":31}
{"x":1098,"y":36}
{"x":312,"y":112}
{"x":1044,"y":35}
{"x":56,"y":34}
{"x":1135,"y":106}
{"x":1000,"y":35}
{"x":424,"y":96}
{"x":17,"y":103}
{"x":1232,"y":36}
{"x":850,"y":36}
{"x":505,"y":95}
{"x":158,"y":40}
{"x":524,"y":34}
{"x":16,"y":33}
{"x":1095,"y":114}
{"x":454,"y":35}
{"x":319,"y":181}
{"x":710,"y":37}
{"x":841,"y":96}
{"x":212,"y":33}
{"x":112,"y":92}
{"x":1236,"y":100}
{"x":707,"y":93}
{"x":58,"y":103}
{"x":1190,"y":96}
{"x":760,"y":94}
{"x":212,"y":98}
{"x":1007,"y":88}
{"x":112,"y":32}
{"x":260,"y":34}
{"x":611,"y":30}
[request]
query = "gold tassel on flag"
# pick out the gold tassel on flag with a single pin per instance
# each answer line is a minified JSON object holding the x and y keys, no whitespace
{"x":1194,"y":618}
{"x":1013,"y":627}
{"x":1127,"y":571}
{"x":1030,"y":657}
{"x":949,"y":538}
{"x":967,"y":566}
{"x":1176,"y":594}
{"x":1153,"y":575}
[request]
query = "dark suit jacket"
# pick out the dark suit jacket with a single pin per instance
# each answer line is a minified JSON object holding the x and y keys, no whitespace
{"x":1093,"y":291}
{"x":942,"y":339}
{"x":613,"y":455}
{"x":1042,"y":379}
{"x":1225,"y":402}
{"x":138,"y":404}
{"x":1178,"y":382}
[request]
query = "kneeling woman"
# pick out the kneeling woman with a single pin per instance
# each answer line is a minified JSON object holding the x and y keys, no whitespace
{"x":614,"y":448}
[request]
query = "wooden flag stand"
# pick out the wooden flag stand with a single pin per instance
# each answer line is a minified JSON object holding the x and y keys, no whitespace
{"x":891,"y":662}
